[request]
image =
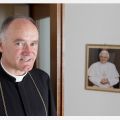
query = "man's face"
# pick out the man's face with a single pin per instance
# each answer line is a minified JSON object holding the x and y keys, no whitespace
{"x":104,"y":58}
{"x":19,"y":49}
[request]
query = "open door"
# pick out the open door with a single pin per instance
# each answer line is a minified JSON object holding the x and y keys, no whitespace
{"x":51,"y":15}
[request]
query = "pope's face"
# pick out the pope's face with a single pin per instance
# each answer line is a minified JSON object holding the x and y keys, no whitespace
{"x":104,"y":58}
{"x":19,"y":49}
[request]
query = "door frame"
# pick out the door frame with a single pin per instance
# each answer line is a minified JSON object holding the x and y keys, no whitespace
{"x":56,"y":14}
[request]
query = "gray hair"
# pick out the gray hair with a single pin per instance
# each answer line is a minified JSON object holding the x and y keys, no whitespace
{"x":9,"y":20}
{"x":104,"y":53}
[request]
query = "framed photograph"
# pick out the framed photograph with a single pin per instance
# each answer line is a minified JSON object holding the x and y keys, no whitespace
{"x":102,"y":70}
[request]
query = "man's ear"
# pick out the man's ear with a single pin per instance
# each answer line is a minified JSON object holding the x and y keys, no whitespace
{"x":1,"y":46}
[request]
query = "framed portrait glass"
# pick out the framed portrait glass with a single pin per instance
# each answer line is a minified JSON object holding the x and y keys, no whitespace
{"x":102,"y":70}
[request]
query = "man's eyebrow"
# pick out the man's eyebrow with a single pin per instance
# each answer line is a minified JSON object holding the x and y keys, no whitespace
{"x":36,"y":41}
{"x":22,"y":40}
{"x":17,"y":40}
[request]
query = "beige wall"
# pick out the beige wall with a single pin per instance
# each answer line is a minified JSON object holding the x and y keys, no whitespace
{"x":12,"y":9}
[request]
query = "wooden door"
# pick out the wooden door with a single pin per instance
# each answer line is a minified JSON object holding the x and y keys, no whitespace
{"x":54,"y":11}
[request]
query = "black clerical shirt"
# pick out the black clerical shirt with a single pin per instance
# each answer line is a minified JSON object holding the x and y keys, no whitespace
{"x":32,"y":96}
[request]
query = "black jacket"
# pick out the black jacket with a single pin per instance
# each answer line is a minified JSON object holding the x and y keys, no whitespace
{"x":32,"y":96}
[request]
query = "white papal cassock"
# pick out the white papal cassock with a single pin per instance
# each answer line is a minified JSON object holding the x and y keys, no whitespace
{"x":99,"y":71}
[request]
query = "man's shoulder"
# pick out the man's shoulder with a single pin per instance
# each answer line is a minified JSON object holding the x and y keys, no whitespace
{"x":95,"y":64}
{"x":39,"y":73}
{"x":38,"y":70}
{"x":110,"y":63}
{"x":99,"y":63}
{"x":40,"y":77}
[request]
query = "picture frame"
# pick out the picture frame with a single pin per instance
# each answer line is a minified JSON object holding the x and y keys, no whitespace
{"x":92,"y":56}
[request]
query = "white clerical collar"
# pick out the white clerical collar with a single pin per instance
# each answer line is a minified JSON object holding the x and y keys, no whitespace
{"x":18,"y":78}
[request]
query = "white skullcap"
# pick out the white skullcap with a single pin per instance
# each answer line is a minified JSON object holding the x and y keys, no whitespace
{"x":104,"y":53}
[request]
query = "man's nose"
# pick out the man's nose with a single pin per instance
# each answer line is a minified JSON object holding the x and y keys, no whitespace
{"x":26,"y":49}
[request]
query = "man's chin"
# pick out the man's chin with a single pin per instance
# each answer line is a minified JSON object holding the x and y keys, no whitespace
{"x":103,"y":62}
{"x":27,"y":68}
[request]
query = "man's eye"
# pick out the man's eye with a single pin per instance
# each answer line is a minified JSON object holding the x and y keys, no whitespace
{"x":19,"y":44}
{"x":34,"y":43}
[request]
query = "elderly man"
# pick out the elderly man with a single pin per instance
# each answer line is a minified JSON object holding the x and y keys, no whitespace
{"x":24,"y":91}
{"x":103,"y":73}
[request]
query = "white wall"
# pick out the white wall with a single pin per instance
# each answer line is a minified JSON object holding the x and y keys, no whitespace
{"x":88,"y":23}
